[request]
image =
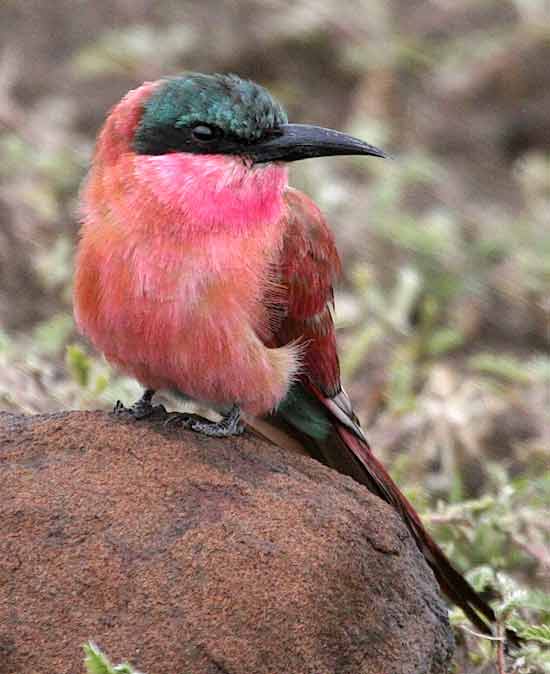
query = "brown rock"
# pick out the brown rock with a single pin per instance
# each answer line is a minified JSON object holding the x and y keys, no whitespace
{"x":188,"y":555}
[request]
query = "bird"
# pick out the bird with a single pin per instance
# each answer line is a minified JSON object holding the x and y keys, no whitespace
{"x":200,"y":271}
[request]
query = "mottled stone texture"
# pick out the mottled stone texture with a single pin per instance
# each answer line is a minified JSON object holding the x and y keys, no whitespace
{"x":188,"y":555}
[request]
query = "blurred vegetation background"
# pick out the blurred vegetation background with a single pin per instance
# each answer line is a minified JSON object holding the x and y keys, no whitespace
{"x":444,"y":307}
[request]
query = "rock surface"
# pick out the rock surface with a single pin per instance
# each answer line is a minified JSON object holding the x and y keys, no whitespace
{"x":187,"y":555}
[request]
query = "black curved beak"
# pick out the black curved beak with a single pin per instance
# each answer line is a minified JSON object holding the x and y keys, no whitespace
{"x":292,"y":142}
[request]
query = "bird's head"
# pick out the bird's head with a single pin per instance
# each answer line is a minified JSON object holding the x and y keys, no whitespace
{"x":224,"y":114}
{"x":209,"y":149}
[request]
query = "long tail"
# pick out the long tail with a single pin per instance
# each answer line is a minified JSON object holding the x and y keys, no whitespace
{"x":453,"y":584}
{"x":330,"y":432}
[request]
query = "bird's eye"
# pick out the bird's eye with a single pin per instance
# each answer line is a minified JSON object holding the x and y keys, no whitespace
{"x":203,"y":132}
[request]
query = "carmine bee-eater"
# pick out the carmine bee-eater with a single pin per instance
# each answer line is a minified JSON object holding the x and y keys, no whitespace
{"x":201,"y":271}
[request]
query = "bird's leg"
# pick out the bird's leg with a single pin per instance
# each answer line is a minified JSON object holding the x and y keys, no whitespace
{"x":230,"y":424}
{"x":142,"y":408}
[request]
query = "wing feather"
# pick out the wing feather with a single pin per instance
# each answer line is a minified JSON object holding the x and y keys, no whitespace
{"x":317,"y":412}
{"x":307,"y":269}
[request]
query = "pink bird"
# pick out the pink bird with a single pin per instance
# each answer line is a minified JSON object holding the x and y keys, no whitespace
{"x":201,"y":271}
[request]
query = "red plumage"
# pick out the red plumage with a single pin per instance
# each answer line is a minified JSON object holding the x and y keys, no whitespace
{"x":307,"y":268}
{"x":207,"y":274}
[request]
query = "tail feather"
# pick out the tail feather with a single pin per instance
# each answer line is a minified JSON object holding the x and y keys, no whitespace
{"x":329,"y":431}
{"x":453,"y":584}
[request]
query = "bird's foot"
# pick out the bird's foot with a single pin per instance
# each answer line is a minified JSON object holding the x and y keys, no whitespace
{"x":142,"y":408}
{"x":230,"y":424}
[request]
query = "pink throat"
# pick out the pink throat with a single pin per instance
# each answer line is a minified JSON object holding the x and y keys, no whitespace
{"x":213,"y":192}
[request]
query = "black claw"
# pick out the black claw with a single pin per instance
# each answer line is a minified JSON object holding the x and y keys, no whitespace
{"x":182,"y":419}
{"x":229,"y":425}
{"x":142,"y":408}
{"x":119,"y":408}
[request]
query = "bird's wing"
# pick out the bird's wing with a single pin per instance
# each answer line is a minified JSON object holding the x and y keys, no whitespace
{"x":308,"y":266}
{"x":316,"y":407}
{"x":317,"y":412}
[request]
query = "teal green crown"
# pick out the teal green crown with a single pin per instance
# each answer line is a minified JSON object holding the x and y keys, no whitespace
{"x":238,"y":107}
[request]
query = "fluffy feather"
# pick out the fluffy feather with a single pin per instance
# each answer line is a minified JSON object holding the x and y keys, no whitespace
{"x":175,"y":264}
{"x":208,"y":275}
